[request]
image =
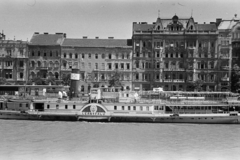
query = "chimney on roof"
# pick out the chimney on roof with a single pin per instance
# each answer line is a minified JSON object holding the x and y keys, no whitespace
{"x":96,"y":37}
{"x":84,"y":37}
{"x":45,"y":33}
{"x":218,"y":21}
{"x":110,"y":37}
{"x":64,"y":35}
{"x":36,"y":32}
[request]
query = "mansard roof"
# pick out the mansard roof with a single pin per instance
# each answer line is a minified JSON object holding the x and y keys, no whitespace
{"x":184,"y":22}
{"x":206,"y":27}
{"x":46,"y":39}
{"x":95,"y":42}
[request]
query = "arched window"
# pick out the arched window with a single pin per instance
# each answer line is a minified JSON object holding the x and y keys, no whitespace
{"x":32,"y":64}
{"x":70,"y":55}
{"x":82,"y":88}
{"x":56,"y":75}
{"x":76,"y":56}
{"x":44,"y":64}
{"x":56,"y":64}
{"x":39,"y":64}
{"x":89,"y":88}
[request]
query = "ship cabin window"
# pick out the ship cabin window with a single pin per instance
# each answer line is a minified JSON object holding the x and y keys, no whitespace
{"x":20,"y":105}
{"x":233,"y":114}
{"x":129,"y":107}
{"x":134,"y":107}
{"x":57,"y":106}
{"x":66,"y":106}
{"x":141,"y":108}
{"x":74,"y":106}
{"x":147,"y":108}
{"x":48,"y":106}
{"x":115,"y":107}
{"x":122,"y":107}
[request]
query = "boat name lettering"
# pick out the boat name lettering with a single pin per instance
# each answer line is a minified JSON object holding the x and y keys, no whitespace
{"x":95,"y":114}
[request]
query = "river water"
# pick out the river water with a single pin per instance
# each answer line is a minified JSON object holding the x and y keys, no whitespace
{"x":40,"y":140}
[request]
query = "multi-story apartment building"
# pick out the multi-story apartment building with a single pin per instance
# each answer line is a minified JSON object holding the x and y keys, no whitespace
{"x":229,"y":49}
{"x":173,"y":53}
{"x":97,"y":59}
{"x":13,"y":61}
{"x":44,"y":55}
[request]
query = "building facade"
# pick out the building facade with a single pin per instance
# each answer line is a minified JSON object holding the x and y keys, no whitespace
{"x":13,"y":61}
{"x":229,"y":49}
{"x":174,"y":53}
{"x":97,"y":59}
{"x":45,"y":55}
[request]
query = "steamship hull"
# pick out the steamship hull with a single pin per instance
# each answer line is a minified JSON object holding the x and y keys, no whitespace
{"x":207,"y":119}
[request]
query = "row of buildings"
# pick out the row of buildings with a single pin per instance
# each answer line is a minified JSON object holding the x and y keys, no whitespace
{"x":170,"y":53}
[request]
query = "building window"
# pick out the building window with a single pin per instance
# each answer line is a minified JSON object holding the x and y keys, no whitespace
{"x":115,"y":107}
{"x":74,"y":106}
{"x":103,"y":66}
{"x":57,"y":106}
{"x":56,"y":53}
{"x":109,"y":56}
{"x":66,"y":106}
{"x":89,"y":55}
{"x":65,"y":55}
{"x":122,"y":65}
{"x":32,"y":53}
{"x":96,"y":65}
{"x":103,"y":56}
{"x":21,"y":75}
{"x":89,"y":65}
{"x":70,"y":55}
{"x":76,"y":56}
{"x":21,"y":52}
{"x":129,"y":107}
{"x":96,"y":56}
{"x":128,"y":66}
{"x":134,"y":108}
{"x":83,"y":56}
{"x":109,"y":65}
{"x":21,"y":64}
{"x":48,"y":106}
{"x":122,"y":107}
{"x":50,"y":53}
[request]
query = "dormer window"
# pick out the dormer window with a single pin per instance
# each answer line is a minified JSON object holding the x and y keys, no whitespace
{"x":191,"y":27}
{"x":158,"y":28}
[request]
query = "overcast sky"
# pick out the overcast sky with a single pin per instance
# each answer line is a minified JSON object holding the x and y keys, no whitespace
{"x":102,"y":18}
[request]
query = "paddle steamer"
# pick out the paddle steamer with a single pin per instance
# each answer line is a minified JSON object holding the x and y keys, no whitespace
{"x":107,"y":105}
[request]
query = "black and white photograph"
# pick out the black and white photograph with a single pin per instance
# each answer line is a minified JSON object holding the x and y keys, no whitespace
{"x":119,"y":80}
